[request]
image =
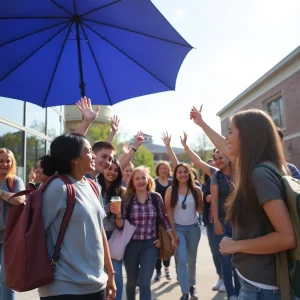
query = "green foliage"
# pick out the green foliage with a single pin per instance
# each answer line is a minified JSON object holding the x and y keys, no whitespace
{"x":98,"y":133}
{"x":144,"y":157}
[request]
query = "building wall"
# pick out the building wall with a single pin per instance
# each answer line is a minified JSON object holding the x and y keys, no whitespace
{"x":27,"y":130}
{"x":73,"y":116}
{"x":289,"y":90}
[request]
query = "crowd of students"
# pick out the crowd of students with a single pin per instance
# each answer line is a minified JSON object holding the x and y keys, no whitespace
{"x":238,"y":197}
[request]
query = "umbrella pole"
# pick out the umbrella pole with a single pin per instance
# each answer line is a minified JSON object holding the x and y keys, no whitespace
{"x":81,"y":84}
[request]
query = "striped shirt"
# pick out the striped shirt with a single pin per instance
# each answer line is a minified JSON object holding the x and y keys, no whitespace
{"x":143,"y":216}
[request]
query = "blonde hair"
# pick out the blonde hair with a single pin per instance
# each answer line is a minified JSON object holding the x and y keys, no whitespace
{"x":130,"y":164}
{"x":130,"y":189}
{"x":13,"y":168}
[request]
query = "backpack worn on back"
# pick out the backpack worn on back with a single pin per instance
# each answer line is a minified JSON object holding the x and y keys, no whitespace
{"x":288,"y":262}
{"x":165,"y":250}
{"x":26,"y":260}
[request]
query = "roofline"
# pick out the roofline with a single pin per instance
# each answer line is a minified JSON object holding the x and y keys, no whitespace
{"x":276,"y":68}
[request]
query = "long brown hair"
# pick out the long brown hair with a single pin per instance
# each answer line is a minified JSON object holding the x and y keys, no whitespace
{"x":130,"y":189}
{"x":190,"y":184}
{"x":258,"y":142}
{"x":13,"y":167}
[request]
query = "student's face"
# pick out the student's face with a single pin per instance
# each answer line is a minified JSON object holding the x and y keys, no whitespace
{"x":111,"y":174}
{"x":127,"y":172}
{"x":5,"y":164}
{"x":140,"y":181}
{"x":221,"y":162}
{"x":233,"y":139}
{"x":182,"y":174}
{"x":39,"y":174}
{"x":86,"y":162}
{"x":103,"y":159}
{"x":163,"y":170}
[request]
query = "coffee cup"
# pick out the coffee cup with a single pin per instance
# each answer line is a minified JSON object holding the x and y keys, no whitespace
{"x":117,"y":200}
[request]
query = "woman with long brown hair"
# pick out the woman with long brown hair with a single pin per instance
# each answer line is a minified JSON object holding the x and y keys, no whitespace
{"x":9,"y":184}
{"x":257,"y":202}
{"x":139,"y":209}
{"x":183,"y":204}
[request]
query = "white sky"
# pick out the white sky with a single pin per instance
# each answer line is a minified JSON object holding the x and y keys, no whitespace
{"x":236,"y":41}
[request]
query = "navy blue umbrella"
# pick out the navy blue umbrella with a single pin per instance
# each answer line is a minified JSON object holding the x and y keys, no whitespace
{"x":54,"y":51}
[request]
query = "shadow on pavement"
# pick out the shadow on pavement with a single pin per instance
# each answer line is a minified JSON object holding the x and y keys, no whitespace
{"x":164,"y":288}
{"x":219,"y":296}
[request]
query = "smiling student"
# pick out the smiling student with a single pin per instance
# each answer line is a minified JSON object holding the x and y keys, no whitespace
{"x":184,"y":202}
{"x":257,"y":202}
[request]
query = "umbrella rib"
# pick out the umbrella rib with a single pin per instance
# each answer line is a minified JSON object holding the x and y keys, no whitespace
{"x":100,"y":7}
{"x":97,"y":65}
{"x":35,"y":51}
{"x":56,"y":66}
{"x":33,"y":18}
{"x":32,"y":33}
{"x":129,"y":57}
{"x":140,"y":33}
{"x":61,"y":7}
{"x":74,"y":4}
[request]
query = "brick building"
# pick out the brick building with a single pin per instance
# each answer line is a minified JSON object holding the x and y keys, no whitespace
{"x":278,"y":93}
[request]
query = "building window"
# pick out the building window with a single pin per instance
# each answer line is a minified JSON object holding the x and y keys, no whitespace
{"x":54,"y":121}
{"x":12,"y":110}
{"x":36,"y":148}
{"x":36,"y":117}
{"x":274,"y":108}
{"x":13,"y":139}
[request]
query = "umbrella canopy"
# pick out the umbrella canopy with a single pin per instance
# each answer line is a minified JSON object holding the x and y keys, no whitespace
{"x":54,"y":51}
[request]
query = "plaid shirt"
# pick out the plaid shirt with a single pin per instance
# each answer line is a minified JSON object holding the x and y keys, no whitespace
{"x":143,"y":216}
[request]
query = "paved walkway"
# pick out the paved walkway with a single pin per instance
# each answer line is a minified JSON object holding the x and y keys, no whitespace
{"x":170,"y":290}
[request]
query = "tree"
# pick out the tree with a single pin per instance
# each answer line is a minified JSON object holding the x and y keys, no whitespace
{"x":145,"y":158}
{"x":100,"y":133}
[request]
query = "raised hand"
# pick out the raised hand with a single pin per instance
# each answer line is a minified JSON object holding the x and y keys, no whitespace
{"x":114,"y":123}
{"x":86,"y":109}
{"x":31,"y":175}
{"x":139,"y":139}
{"x":166,"y":138}
{"x":184,"y":139}
{"x":125,"y":148}
{"x":196,"y":115}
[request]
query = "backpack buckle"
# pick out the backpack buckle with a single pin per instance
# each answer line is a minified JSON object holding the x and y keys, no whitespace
{"x":53,"y":264}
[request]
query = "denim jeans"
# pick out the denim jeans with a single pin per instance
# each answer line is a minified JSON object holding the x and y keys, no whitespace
{"x":250,"y":292}
{"x":139,"y":259}
{"x":117,"y":265}
{"x":227,"y":268}
{"x":186,"y":255}
{"x":210,"y":229}
{"x":5,"y":293}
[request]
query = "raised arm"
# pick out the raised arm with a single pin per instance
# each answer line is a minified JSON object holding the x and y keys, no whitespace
{"x":219,"y":229}
{"x":88,"y":115}
{"x":206,"y":168}
{"x":127,"y":157}
{"x":114,"y":126}
{"x":218,"y":140}
{"x":167,"y":141}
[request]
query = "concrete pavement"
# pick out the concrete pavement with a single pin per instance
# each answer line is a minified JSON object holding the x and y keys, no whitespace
{"x":170,"y":290}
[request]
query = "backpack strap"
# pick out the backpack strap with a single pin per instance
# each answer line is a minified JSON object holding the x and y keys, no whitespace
{"x":94,"y":186}
{"x":155,"y":204}
{"x":71,"y":200}
{"x":272,"y":168}
{"x":10,"y":182}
